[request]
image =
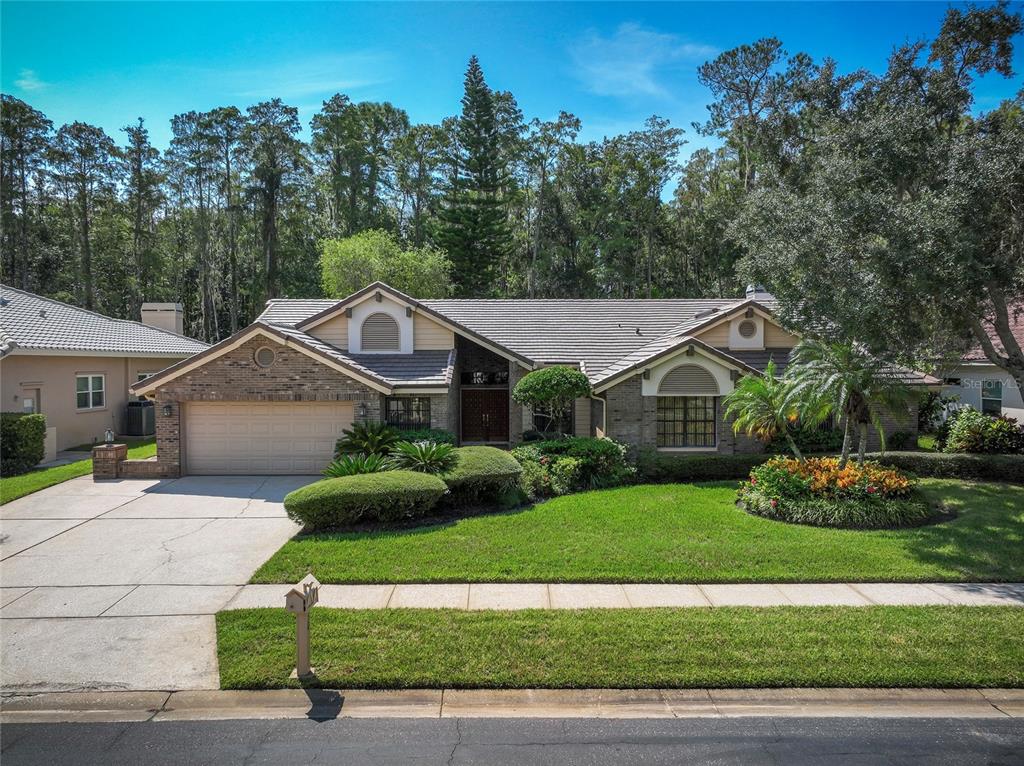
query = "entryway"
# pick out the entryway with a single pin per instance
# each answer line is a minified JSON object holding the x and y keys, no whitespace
{"x":485,"y":415}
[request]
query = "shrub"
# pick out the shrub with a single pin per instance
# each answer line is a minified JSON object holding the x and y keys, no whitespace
{"x":481,"y":475}
{"x":425,"y":457}
{"x":367,"y":438}
{"x":22,"y":442}
{"x":353,"y":465}
{"x":598,"y":463}
{"x":437,"y":435}
{"x":654,"y":466}
{"x":552,"y":389}
{"x":975,"y":432}
{"x":937,"y":465}
{"x":386,"y":496}
{"x":901,"y":440}
{"x":808,"y":440}
{"x":818,"y":492}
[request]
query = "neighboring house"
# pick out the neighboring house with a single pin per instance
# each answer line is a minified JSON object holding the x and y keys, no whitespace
{"x":983,"y":385}
{"x":274,"y":397}
{"x":75,"y":366}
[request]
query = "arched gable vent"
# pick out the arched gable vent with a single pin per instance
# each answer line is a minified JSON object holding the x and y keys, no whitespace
{"x":379,"y":333}
{"x":688,"y":380}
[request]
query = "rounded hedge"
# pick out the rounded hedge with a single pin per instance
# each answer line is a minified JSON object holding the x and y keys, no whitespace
{"x":481,"y":475}
{"x":386,"y":496}
{"x":846,"y":513}
{"x":22,"y":442}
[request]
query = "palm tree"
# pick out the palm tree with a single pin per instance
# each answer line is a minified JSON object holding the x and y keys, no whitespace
{"x":857,"y":385}
{"x":764,"y":406}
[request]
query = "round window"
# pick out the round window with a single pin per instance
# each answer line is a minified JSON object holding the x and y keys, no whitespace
{"x":748,"y":328}
{"x":265,"y":356}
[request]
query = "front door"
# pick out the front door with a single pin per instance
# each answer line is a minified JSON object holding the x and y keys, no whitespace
{"x":484,"y":415}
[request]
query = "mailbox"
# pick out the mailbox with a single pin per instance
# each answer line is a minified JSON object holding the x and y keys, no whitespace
{"x":299,"y":600}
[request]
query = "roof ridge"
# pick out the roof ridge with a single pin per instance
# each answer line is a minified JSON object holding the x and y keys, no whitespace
{"x":98,"y":314}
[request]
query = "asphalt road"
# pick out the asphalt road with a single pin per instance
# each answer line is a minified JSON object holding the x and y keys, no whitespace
{"x":748,"y":741}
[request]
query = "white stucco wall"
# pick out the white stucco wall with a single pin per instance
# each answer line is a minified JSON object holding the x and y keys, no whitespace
{"x":721,"y":373}
{"x":385,"y":306}
{"x":971,"y":379}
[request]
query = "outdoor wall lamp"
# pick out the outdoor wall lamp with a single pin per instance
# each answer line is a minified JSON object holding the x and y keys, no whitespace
{"x":361,"y":409}
{"x":167,"y":410}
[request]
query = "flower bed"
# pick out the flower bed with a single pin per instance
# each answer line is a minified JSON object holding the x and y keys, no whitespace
{"x":820,"y":493}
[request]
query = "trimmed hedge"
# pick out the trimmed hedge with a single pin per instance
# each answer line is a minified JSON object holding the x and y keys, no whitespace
{"x":385,"y":496}
{"x":436,"y":435}
{"x":22,"y":442}
{"x":843,"y":513}
{"x":656,"y":466}
{"x":939,"y":465}
{"x":483,"y":475}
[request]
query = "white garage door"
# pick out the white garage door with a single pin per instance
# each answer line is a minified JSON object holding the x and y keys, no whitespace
{"x":262,"y":437}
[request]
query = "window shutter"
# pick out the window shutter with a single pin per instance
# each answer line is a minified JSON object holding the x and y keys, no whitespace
{"x":379,"y":333}
{"x":688,"y":380}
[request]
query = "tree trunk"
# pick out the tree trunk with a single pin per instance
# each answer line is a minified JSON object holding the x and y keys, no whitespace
{"x":862,"y":449}
{"x":844,"y":458}
{"x":792,"y":446}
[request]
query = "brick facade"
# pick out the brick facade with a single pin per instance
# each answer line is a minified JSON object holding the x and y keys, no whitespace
{"x":235,"y":376}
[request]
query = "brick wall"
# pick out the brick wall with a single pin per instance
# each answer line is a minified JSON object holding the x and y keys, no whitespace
{"x":234,"y":376}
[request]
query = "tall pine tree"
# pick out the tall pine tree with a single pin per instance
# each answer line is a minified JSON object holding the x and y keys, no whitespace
{"x":473,"y":225}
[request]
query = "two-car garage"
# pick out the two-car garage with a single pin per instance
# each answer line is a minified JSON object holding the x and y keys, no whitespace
{"x":262,"y":437}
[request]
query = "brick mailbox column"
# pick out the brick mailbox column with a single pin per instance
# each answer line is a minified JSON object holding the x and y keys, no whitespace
{"x":105,"y":459}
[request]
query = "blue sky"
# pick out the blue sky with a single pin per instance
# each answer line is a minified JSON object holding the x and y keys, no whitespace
{"x":611,"y":64}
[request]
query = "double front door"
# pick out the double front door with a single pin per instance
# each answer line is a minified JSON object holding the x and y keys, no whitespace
{"x":485,"y":415}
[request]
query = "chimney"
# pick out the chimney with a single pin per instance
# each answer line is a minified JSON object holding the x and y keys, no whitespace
{"x":165,"y":316}
{"x":759,"y":293}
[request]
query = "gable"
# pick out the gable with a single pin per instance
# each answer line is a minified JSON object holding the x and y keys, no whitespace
{"x":428,"y":335}
{"x":747,"y":330}
{"x":333,"y":331}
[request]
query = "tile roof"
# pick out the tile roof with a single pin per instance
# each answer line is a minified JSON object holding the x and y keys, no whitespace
{"x":1016,"y":312}
{"x":29,"y":321}
{"x":291,"y":311}
{"x":421,"y":368}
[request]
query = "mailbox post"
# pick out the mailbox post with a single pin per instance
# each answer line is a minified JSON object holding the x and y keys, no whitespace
{"x":299,"y":601}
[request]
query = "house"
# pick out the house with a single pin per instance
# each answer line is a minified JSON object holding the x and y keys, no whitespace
{"x":274,"y":397}
{"x":984,"y":386}
{"x":75,"y":366}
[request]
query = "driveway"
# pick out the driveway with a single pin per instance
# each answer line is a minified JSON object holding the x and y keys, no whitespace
{"x":114,"y":584}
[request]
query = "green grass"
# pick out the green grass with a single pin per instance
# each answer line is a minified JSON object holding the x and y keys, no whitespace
{"x":13,"y":487}
{"x":671,"y":533}
{"x":631,"y":648}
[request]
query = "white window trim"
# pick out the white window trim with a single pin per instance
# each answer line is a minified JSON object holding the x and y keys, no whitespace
{"x":89,"y":376}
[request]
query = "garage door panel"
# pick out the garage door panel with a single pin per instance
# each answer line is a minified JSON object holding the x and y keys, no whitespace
{"x":262,"y":437}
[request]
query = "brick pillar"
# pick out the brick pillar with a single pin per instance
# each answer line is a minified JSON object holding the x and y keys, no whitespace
{"x":105,"y":459}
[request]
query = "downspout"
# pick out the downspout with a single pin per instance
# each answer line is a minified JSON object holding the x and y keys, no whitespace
{"x":604,"y":413}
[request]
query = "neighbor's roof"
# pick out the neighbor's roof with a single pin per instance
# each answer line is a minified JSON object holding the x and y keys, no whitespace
{"x":1016,"y":312}
{"x":32,"y":322}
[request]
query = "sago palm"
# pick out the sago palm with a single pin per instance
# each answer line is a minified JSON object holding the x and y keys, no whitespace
{"x":763,"y":406}
{"x":858,"y":386}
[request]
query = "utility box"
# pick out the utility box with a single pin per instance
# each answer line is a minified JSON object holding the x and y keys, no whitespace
{"x":140,"y":419}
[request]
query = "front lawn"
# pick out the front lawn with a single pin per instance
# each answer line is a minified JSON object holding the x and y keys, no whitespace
{"x":671,"y":533}
{"x":13,"y":487}
{"x":631,"y":648}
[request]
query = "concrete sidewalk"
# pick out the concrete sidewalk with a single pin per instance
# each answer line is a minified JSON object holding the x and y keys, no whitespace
{"x":512,"y":596}
{"x":325,"y":704}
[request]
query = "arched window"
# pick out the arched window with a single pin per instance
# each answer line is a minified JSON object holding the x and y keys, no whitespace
{"x":379,"y":333}
{"x":687,"y":407}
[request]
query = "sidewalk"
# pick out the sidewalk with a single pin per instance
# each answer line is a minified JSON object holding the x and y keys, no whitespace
{"x":325,"y":704}
{"x":588,"y":596}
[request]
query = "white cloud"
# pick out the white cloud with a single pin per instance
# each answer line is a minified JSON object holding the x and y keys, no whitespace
{"x":631,"y":61}
{"x":316,"y":76}
{"x":29,"y":81}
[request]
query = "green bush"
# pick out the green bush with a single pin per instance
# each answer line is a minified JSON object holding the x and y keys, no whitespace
{"x":654,"y":466}
{"x":552,"y":389}
{"x":425,"y":457}
{"x":22,"y":442}
{"x":900,"y":440}
{"x":353,"y":465}
{"x":809,"y":440}
{"x":368,"y":439}
{"x":938,"y":465}
{"x":436,"y":435}
{"x":975,"y":432}
{"x":573,"y":464}
{"x":386,"y":496}
{"x":875,"y":513}
{"x":482,"y":475}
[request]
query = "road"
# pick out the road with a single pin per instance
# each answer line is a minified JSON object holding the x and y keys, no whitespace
{"x":747,"y":741}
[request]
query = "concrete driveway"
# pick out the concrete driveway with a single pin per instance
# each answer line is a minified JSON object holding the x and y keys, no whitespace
{"x":113,"y":585}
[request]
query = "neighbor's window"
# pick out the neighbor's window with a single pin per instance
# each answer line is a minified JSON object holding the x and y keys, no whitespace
{"x":407,"y":411}
{"x":142,"y":376}
{"x":686,"y":421}
{"x":992,"y":397}
{"x":89,"y":391}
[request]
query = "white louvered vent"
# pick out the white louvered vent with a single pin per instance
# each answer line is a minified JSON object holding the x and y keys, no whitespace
{"x":379,"y":333}
{"x":688,"y":380}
